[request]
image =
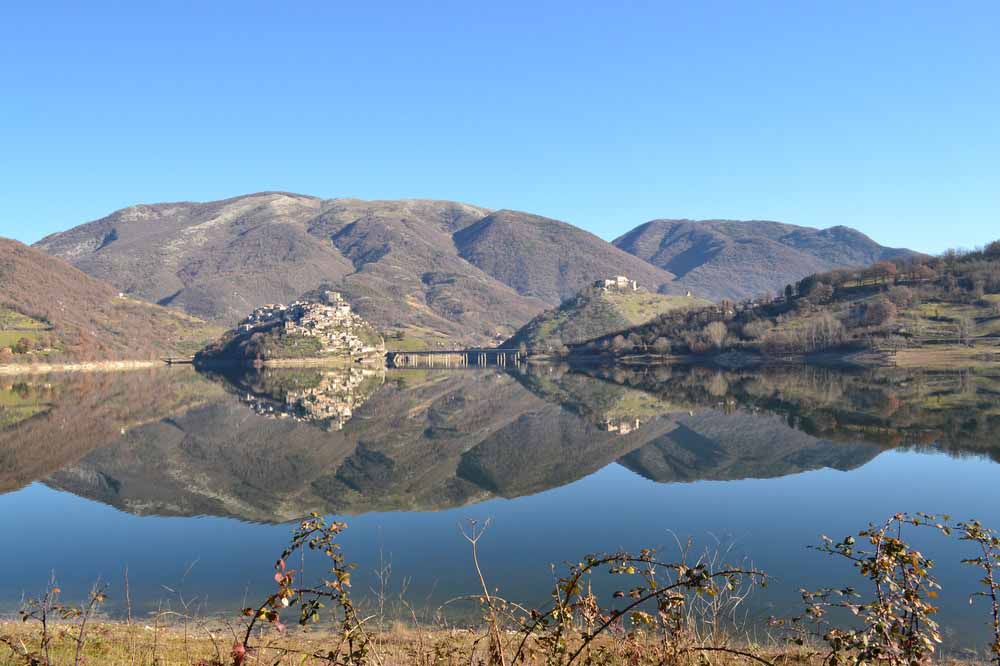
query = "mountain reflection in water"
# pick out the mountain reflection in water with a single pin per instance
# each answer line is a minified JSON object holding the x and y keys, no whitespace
{"x":273,"y":445}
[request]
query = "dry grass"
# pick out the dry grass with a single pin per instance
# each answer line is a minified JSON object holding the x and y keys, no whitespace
{"x":949,"y":357}
{"x":211,"y":642}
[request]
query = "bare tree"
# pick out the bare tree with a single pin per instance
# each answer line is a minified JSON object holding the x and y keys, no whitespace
{"x":715,"y":333}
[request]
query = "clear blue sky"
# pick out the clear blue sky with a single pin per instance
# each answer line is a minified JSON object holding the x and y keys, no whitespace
{"x":884,"y":116}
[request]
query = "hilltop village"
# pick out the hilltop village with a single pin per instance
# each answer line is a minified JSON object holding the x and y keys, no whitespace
{"x":331,"y":322}
{"x":300,"y":331}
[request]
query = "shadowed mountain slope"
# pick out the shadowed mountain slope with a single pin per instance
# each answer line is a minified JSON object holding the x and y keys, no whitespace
{"x":736,"y":259}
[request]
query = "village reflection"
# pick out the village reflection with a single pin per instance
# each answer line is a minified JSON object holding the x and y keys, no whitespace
{"x":327,"y":398}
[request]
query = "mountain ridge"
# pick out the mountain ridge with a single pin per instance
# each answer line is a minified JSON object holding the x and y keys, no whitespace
{"x":431,"y":273}
{"x":748,"y":258}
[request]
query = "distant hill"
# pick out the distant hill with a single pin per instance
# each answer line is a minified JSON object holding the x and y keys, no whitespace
{"x":547,"y":259}
{"x":595,"y":312}
{"x":51,"y":311}
{"x":745,"y":259}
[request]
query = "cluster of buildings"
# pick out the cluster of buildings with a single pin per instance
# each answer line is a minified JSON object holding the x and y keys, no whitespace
{"x":618,"y":283}
{"x":330,"y":404}
{"x":332,"y":322}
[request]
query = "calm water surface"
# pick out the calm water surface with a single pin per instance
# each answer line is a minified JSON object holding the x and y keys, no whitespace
{"x":188,"y":482}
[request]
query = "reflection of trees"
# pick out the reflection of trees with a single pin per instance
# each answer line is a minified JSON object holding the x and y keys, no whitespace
{"x":58,"y":419}
{"x":955,"y":411}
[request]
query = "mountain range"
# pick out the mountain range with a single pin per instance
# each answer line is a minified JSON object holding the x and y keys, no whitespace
{"x":427,"y":272}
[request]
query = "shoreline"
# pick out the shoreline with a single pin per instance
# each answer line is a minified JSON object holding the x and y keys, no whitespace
{"x":930,"y":357}
{"x":12,"y":369}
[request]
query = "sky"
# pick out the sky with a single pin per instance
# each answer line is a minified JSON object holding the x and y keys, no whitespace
{"x":883,"y":116}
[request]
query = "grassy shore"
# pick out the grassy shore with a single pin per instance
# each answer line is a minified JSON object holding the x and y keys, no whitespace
{"x":949,"y":357}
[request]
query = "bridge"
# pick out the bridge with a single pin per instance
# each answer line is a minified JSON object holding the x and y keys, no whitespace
{"x":461,"y":358}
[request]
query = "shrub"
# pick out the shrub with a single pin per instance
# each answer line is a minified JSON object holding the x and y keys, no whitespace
{"x":898,"y":625}
{"x":662,"y":345}
{"x":879,"y":313}
{"x":757,"y":329}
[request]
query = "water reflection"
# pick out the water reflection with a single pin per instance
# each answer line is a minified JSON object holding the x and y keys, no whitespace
{"x":273,"y":445}
{"x":324,"y":397}
{"x":565,"y":460}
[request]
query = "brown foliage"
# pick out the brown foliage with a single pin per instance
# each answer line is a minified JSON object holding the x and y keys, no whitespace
{"x":879,"y":313}
{"x":89,"y":321}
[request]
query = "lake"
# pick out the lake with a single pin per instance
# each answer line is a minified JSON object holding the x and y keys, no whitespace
{"x":191,"y":482}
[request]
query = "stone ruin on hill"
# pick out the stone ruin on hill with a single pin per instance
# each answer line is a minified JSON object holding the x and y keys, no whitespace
{"x":617,"y":283}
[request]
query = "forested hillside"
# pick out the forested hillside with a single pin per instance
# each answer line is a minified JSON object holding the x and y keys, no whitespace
{"x":920,"y":302}
{"x":50,"y":311}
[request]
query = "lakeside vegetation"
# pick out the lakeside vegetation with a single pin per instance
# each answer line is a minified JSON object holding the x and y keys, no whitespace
{"x":955,"y":411}
{"x":945,"y":302}
{"x":685,"y":610}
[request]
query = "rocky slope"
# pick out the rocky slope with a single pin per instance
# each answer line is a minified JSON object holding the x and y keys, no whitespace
{"x":743,"y":259}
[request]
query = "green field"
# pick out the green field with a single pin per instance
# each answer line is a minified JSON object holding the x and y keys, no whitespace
{"x":15,"y":327}
{"x":11,"y":320}
{"x":638,"y":307}
{"x":19,"y":403}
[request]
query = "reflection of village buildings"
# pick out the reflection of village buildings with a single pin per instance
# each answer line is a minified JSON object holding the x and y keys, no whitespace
{"x":622,"y":425}
{"x":332,"y":322}
{"x":331,"y":403}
